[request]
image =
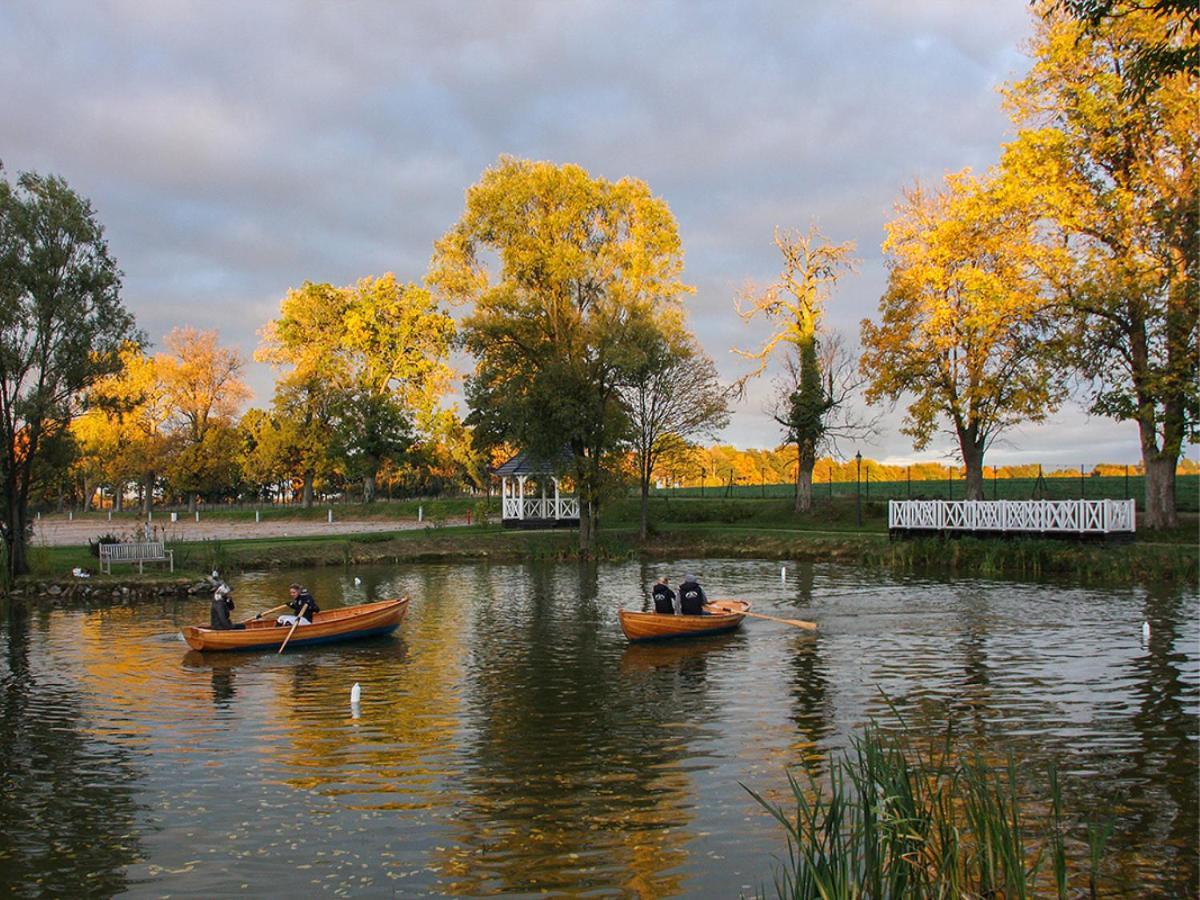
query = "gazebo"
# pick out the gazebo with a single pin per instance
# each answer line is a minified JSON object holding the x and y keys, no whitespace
{"x":523,"y":493}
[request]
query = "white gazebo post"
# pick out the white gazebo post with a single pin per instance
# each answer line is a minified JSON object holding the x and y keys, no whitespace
{"x":557,"y":507}
{"x":521,"y":500}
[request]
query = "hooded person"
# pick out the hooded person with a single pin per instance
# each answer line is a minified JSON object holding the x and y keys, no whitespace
{"x":691,"y":597}
{"x":222,"y":606}
{"x":664,"y":597}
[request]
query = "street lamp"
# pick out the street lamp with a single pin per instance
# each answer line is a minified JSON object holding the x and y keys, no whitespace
{"x":858,"y":490}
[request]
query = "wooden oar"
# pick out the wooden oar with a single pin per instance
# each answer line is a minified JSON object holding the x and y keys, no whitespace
{"x":798,"y":623}
{"x":303,"y":610}
{"x":265,"y":612}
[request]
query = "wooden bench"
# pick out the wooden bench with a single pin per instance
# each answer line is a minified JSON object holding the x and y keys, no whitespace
{"x":150,"y":551}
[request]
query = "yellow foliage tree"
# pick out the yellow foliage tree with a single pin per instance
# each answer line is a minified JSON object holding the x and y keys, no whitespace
{"x":961,"y":326}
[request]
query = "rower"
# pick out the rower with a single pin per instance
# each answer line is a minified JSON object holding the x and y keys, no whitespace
{"x":302,"y":604}
{"x":691,"y":597}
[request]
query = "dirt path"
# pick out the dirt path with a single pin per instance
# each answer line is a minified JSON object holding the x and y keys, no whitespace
{"x":59,"y":531}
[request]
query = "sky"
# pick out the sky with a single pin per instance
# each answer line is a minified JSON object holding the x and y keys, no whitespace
{"x":235,"y":150}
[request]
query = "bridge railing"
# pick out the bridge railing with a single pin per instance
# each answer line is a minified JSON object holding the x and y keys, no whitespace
{"x":1050,"y":516}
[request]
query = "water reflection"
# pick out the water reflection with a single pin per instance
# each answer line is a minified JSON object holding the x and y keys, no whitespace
{"x":508,"y":739}
{"x":66,"y":803}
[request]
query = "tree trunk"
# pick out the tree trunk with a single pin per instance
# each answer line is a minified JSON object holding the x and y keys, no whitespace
{"x":306,"y":495}
{"x":1160,"y":490}
{"x":369,"y":487}
{"x":645,"y":529}
{"x":147,"y":493}
{"x":118,"y":490}
{"x":972,"y":454}
{"x":191,"y":503}
{"x":806,"y":459}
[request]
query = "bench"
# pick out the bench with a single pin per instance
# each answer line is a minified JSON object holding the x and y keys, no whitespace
{"x":142,"y":553}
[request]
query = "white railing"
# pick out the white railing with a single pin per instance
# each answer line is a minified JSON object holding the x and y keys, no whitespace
{"x":540,"y":508}
{"x":1054,"y":516}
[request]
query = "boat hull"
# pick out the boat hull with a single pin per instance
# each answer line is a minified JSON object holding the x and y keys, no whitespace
{"x":726,"y":615}
{"x":346,"y":624}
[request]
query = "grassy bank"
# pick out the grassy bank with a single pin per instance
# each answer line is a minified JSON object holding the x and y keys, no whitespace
{"x":708,"y":528}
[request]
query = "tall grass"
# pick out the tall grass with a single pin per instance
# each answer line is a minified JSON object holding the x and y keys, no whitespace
{"x":893,"y":821}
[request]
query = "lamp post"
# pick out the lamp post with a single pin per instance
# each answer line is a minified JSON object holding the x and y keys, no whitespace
{"x":858,"y":489}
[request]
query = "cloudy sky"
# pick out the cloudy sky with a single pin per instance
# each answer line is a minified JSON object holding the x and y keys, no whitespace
{"x":236,"y":149}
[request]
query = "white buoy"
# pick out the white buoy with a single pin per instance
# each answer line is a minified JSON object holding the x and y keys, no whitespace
{"x":783,"y":573}
{"x":355,"y":693}
{"x":1145,"y":632}
{"x":357,"y":581}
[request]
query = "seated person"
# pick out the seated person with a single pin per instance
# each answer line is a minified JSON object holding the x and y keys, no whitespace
{"x":691,"y":597}
{"x":302,"y":604}
{"x":664,"y":597}
{"x":222,"y":606}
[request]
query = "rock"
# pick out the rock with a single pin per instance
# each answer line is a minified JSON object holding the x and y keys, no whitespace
{"x":54,"y":590}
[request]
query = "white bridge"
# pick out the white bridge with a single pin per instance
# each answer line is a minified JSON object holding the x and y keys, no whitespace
{"x":1007,"y":516}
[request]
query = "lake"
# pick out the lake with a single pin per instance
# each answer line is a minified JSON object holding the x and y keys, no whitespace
{"x":510,"y":741}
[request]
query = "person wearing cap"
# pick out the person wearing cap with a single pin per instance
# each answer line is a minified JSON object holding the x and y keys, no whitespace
{"x":222,"y":606}
{"x":302,"y":604}
{"x":691,"y":597}
{"x":664,"y":597}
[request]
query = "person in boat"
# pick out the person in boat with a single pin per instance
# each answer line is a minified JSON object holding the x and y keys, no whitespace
{"x":303,"y":607}
{"x":222,"y":606}
{"x":691,"y":597}
{"x":664,"y":597}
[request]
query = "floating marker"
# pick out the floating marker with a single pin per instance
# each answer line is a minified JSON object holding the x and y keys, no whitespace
{"x":783,"y":573}
{"x":357,"y":581}
{"x":1145,"y":632}
{"x":355,"y":693}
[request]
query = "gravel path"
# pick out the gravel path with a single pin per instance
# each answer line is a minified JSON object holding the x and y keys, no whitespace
{"x":59,"y":531}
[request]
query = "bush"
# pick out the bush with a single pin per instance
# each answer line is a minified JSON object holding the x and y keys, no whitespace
{"x":94,"y":546}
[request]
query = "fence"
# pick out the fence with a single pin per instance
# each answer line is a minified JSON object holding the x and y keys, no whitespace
{"x":1042,"y":516}
{"x":1054,"y":486}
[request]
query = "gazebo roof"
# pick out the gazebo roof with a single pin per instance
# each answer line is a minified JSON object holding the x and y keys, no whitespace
{"x":525,"y":464}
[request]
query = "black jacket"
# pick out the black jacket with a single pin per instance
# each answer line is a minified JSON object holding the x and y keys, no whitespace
{"x":218,"y":615}
{"x":664,"y":599}
{"x":691,"y":599}
{"x":304,"y":598}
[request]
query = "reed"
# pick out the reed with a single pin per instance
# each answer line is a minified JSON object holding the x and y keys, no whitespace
{"x":891,"y":820}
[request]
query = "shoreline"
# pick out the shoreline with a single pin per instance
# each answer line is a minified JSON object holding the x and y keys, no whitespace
{"x":1115,"y":564}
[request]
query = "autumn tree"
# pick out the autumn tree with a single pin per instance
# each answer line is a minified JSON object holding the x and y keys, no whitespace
{"x":568,"y":274}
{"x":367,"y":368}
{"x":793,"y":304}
{"x":674,"y":396}
{"x":203,"y":388}
{"x":122,"y":433}
{"x":62,"y":326}
{"x":962,"y":328}
{"x":1115,"y":176}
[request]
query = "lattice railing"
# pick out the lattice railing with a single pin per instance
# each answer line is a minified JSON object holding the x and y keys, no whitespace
{"x":1055,"y":516}
{"x":540,"y":508}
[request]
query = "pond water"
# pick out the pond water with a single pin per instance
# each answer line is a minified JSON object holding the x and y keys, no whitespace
{"x":509,"y":740}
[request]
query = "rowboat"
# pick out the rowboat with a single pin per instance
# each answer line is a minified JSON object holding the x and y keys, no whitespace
{"x":724,"y":615}
{"x":345,"y":624}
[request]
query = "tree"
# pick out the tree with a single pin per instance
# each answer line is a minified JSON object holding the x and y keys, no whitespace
{"x":62,"y":326}
{"x":962,"y":328}
{"x":1174,"y":49}
{"x":673,"y":396}
{"x":794,"y":302}
{"x":1117,"y":185}
{"x":203,"y":389}
{"x":362,"y":359}
{"x":585,"y":269}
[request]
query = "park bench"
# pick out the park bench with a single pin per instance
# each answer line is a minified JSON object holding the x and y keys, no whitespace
{"x":140,"y":553}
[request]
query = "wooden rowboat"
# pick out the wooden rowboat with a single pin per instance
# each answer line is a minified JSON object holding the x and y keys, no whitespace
{"x":345,"y":624}
{"x":725,"y":615}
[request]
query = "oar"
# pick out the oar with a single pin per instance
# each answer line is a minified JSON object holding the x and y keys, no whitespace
{"x":299,"y":616}
{"x":264,"y":613}
{"x":798,"y":623}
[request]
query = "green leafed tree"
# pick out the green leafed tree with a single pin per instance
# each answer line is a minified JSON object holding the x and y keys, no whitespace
{"x":62,"y":327}
{"x":569,"y":276}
